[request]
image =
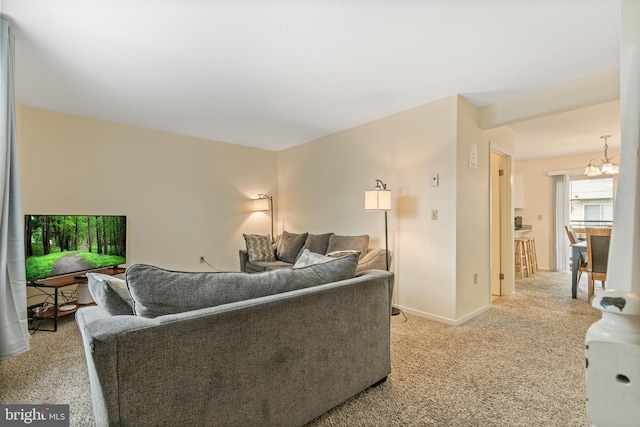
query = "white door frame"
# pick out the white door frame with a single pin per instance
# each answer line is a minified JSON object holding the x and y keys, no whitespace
{"x":506,"y":221}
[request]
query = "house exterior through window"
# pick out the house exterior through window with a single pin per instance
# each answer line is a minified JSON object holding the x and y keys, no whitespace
{"x":591,"y":201}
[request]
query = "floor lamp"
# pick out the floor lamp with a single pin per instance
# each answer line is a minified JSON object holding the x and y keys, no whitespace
{"x":265,"y":203}
{"x":376,"y":200}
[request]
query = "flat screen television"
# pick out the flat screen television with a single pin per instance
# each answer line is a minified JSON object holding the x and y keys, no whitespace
{"x":58,"y":245}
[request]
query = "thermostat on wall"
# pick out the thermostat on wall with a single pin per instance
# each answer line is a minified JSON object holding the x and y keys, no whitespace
{"x":435,"y":180}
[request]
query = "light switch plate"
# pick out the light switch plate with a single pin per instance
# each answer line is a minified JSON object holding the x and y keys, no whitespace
{"x":435,"y":180}
{"x":473,"y":155}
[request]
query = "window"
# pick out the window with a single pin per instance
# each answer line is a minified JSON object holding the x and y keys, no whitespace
{"x":591,"y":201}
{"x":598,"y":213}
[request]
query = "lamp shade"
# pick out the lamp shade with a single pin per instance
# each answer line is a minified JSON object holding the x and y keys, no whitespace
{"x":592,"y":170}
{"x":377,"y":200}
{"x":260,"y":205}
{"x":609,"y":168}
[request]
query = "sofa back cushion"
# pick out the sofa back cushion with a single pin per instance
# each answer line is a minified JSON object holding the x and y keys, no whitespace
{"x":317,"y":243}
{"x":157,"y":292}
{"x":289,"y":246}
{"x":110,"y":293}
{"x":346,"y":243}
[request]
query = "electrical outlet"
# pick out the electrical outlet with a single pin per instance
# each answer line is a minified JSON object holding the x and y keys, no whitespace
{"x":434,"y":215}
{"x":201,"y":260}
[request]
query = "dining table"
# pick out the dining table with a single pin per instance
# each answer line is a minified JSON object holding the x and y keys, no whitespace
{"x":577,"y":249}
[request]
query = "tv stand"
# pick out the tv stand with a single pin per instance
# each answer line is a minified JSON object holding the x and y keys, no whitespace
{"x":57,"y":284}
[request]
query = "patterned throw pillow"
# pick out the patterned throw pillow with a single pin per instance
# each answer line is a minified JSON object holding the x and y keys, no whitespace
{"x":259,"y":248}
{"x":308,"y":258}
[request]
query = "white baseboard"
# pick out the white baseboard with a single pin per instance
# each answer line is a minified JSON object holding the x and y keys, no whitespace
{"x":442,"y":319}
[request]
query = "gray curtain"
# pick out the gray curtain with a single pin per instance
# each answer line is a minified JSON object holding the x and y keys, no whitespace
{"x":14,"y":333}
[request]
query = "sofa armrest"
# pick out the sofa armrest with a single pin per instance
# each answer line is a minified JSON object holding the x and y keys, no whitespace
{"x":244,"y":258}
{"x":99,"y":328}
{"x":373,"y":260}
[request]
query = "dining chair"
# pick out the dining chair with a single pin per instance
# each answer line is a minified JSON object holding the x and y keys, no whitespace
{"x":579,"y":232}
{"x":598,"y":240}
{"x":571,"y":235}
{"x":582,"y":261}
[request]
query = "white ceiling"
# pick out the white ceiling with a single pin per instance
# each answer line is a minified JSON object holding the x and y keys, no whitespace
{"x":277,"y":73}
{"x":571,"y":132}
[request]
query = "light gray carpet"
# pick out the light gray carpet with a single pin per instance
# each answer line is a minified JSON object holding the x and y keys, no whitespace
{"x":521,"y":363}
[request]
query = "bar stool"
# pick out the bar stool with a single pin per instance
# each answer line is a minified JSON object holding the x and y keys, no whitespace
{"x":533,"y":257}
{"x":522,"y":261}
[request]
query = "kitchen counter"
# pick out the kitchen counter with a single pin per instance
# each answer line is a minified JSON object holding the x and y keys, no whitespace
{"x":526,"y":229}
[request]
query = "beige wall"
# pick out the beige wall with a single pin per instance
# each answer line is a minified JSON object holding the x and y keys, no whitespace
{"x":183,"y":197}
{"x":473,"y":239}
{"x":321,"y":188}
{"x":538,"y":197}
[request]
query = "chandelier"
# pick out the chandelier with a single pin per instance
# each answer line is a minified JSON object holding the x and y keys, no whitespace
{"x":606,"y":164}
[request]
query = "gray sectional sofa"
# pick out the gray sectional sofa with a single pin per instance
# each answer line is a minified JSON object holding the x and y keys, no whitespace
{"x":277,"y":348}
{"x":284,"y":254}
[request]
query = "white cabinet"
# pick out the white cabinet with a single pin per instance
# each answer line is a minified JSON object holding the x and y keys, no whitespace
{"x":518,"y":190}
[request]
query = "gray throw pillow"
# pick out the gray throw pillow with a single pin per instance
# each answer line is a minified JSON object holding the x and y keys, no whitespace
{"x":259,"y":248}
{"x":317,"y":243}
{"x":110,"y":293}
{"x":289,"y":246}
{"x":345,"y":243}
{"x":308,"y":258}
{"x":157,"y":292}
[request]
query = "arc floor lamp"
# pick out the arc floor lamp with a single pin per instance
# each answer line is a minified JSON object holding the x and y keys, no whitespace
{"x":264,"y":203}
{"x":379,"y":200}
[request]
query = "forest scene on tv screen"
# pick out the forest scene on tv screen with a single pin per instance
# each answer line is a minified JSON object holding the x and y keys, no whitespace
{"x":63,"y":244}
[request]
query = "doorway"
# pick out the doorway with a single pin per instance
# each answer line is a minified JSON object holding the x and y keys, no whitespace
{"x":501,"y":225}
